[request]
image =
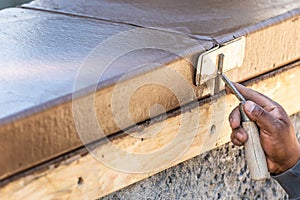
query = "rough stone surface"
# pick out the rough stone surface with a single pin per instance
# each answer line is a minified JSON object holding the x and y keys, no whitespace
{"x":219,"y":174}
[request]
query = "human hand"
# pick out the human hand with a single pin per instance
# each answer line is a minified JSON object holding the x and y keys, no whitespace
{"x":277,"y":134}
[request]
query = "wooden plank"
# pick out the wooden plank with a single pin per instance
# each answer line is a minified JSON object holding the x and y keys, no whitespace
{"x":87,"y":178}
{"x":53,"y":55}
{"x":49,"y":125}
{"x":41,"y":56}
{"x":200,"y":18}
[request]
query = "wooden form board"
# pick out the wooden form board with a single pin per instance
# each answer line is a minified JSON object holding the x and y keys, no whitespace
{"x":37,"y":76}
{"x":84,"y":177}
{"x":47,"y":124}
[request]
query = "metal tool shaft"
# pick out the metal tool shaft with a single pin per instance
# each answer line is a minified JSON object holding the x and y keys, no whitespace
{"x":238,"y":95}
{"x":254,"y":152}
{"x":233,"y":89}
{"x":227,"y":81}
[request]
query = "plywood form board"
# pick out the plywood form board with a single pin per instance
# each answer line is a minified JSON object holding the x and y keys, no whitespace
{"x":82,"y":177}
{"x":41,"y":54}
{"x":45,"y":119}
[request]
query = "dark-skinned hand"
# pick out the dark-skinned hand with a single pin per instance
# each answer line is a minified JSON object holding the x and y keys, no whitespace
{"x":277,"y":134}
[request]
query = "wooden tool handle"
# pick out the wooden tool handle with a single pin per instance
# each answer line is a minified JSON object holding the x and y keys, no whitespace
{"x":255,"y":156}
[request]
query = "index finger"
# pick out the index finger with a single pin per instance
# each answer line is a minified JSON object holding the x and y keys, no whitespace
{"x":260,"y":99}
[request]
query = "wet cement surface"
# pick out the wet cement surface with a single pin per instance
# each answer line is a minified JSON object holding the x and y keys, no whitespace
{"x":41,"y":54}
{"x":42,"y":51}
{"x":208,"y":18}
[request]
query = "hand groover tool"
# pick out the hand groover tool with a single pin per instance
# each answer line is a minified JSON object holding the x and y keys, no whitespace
{"x":254,"y":154}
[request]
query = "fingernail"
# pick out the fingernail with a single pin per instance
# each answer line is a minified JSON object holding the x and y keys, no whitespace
{"x":239,"y":135}
{"x":249,"y":106}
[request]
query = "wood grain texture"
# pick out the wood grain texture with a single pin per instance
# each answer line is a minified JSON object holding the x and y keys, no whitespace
{"x":49,"y":125}
{"x":254,"y":153}
{"x":43,"y":52}
{"x":97,"y":179}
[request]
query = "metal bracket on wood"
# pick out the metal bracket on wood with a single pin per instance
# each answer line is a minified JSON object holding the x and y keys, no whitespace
{"x":207,"y":65}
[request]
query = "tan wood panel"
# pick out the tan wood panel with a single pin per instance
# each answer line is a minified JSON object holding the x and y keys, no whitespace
{"x":40,"y":57}
{"x":85,"y":177}
{"x":52,"y":132}
{"x":42,"y":53}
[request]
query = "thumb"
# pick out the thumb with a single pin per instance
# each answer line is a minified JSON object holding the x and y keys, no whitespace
{"x":259,"y":115}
